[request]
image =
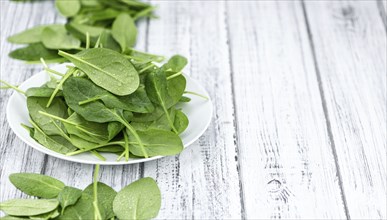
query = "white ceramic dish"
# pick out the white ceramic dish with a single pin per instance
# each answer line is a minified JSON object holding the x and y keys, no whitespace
{"x":198,"y":110}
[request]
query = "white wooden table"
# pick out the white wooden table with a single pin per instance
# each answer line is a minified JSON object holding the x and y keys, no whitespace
{"x":299,"y":127}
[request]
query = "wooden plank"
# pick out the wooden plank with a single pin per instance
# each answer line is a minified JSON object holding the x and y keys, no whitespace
{"x":15,"y":155}
{"x":350,"y":48}
{"x":287,"y":167}
{"x":202,"y":182}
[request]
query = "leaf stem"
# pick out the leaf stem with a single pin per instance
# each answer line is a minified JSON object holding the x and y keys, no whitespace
{"x":133,"y":131}
{"x":126,"y":146}
{"x":197,"y":94}
{"x":174,"y":75}
{"x":95,"y":153}
{"x":146,"y":68}
{"x":97,"y":214}
{"x":98,"y":41}
{"x":90,"y":100}
{"x":169,"y":119}
{"x":119,"y":158}
{"x":95,"y":147}
{"x":65,"y":77}
{"x":63,"y":134}
{"x":58,"y":118}
{"x":16,"y":88}
{"x":87,"y":40}
{"x":46,"y":68}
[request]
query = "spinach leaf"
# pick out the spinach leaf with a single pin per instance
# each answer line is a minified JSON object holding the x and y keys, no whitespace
{"x":136,"y":102}
{"x":156,"y":142}
{"x":28,"y":207}
{"x":54,"y":142}
{"x":139,"y":200}
{"x":185,"y":99}
{"x":43,"y":92}
{"x":143,"y":57}
{"x":9,"y":217}
{"x":107,"y":41}
{"x":29,"y":36}
{"x":68,"y":196}
{"x":48,"y":215}
{"x":79,"y":31}
{"x":57,"y":108}
{"x":156,"y":85}
{"x":95,"y":111}
{"x":175,"y":64}
{"x":106,"y":68}
{"x":105,"y":196}
{"x":156,"y":114}
{"x":181,"y":121}
{"x":37,"y":185}
{"x":111,"y":149}
{"x":124,"y":31}
{"x":68,"y":8}
{"x":162,"y":123}
{"x":34,"y":52}
{"x":81,"y":210}
{"x":58,"y":38}
{"x":90,"y":131}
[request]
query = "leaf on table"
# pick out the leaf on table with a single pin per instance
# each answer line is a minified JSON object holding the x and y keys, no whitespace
{"x":29,"y":36}
{"x":37,"y":185}
{"x":105,"y":195}
{"x":34,"y":52}
{"x":59,"y":38}
{"x":69,"y":196}
{"x":28,"y":207}
{"x":139,"y":200}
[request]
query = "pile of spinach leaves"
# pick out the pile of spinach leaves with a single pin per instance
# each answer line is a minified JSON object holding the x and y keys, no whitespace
{"x":139,"y":200}
{"x":106,"y":102}
{"x":114,"y":21}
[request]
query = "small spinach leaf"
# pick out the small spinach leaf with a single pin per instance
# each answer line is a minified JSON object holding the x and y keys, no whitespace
{"x":68,"y":8}
{"x":105,"y":196}
{"x":124,"y":31}
{"x":156,"y":142}
{"x":156,"y":85}
{"x":68,"y":196}
{"x":46,"y":216}
{"x":29,"y":36}
{"x":36,"y":184}
{"x":34,"y":52}
{"x":58,"y":38}
{"x":181,"y":121}
{"x":139,"y":200}
{"x":28,"y":207}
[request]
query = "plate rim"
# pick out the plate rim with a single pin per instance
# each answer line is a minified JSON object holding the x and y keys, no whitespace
{"x":49,"y":152}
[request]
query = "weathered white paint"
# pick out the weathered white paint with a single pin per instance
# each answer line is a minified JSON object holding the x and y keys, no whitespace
{"x":287,"y":166}
{"x":274,"y":145}
{"x":350,"y":44}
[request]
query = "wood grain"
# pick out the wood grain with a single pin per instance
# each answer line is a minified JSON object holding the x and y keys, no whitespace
{"x":350,"y":47}
{"x":287,"y":167}
{"x":15,"y":155}
{"x":202,"y":182}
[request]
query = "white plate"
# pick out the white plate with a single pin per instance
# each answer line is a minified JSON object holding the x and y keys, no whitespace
{"x":198,"y":111}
